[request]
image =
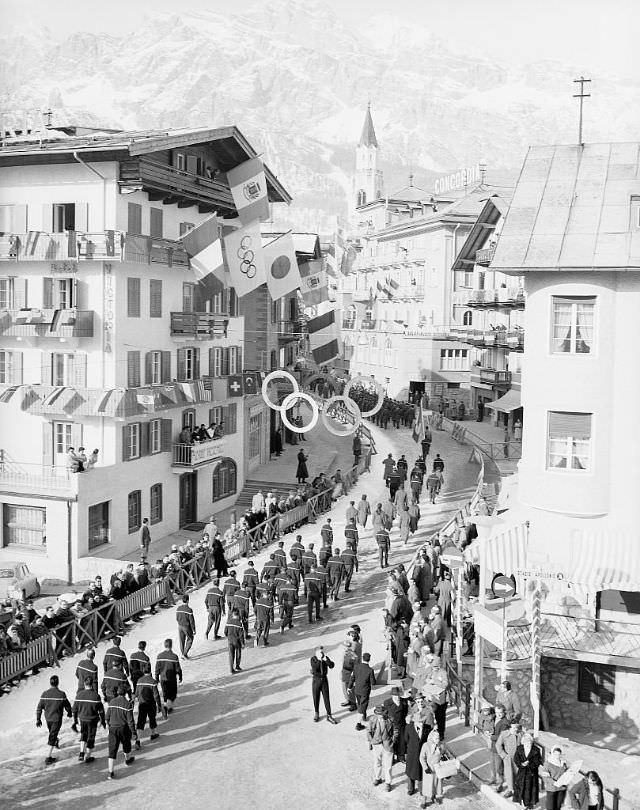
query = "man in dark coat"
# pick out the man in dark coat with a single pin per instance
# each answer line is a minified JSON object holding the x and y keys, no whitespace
{"x":54,"y":703}
{"x":320,"y":666}
{"x":396,"y":708}
{"x":362,"y":682}
{"x":234,"y":632}
{"x":186,"y":625}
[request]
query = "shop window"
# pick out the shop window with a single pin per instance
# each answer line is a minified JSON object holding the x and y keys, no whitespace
{"x":98,"y":533}
{"x":224,"y":480}
{"x":24,"y":526}
{"x":596,"y":683}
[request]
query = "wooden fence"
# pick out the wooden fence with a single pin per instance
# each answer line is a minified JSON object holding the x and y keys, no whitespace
{"x":37,"y":653}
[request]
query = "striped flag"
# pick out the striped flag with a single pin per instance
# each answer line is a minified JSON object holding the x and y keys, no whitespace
{"x":204,"y":249}
{"x":314,"y":284}
{"x":281,"y":266}
{"x":323,"y":337}
{"x":243,"y":250}
{"x":418,"y":425}
{"x":249,"y":190}
{"x":394,"y":284}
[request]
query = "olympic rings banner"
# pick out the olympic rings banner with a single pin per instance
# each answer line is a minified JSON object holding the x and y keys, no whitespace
{"x":243,"y":248}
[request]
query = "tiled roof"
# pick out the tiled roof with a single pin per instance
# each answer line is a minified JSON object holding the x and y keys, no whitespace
{"x":572,"y":209}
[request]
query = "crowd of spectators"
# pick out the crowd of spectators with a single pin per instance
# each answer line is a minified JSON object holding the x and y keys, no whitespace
{"x":196,"y":435}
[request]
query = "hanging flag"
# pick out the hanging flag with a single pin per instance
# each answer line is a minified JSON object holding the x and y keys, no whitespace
{"x":234,"y":385}
{"x":250,"y":383}
{"x":418,"y":425}
{"x":348,"y":259}
{"x":243,"y":250}
{"x":313,"y":282}
{"x":249,"y":190}
{"x":332,"y":262}
{"x":323,"y":337}
{"x":281,"y":266}
{"x":204,"y":249}
{"x":379,"y":286}
{"x":394,"y":284}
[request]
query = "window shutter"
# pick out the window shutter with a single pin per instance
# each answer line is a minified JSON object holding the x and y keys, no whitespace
{"x":231,"y":424}
{"x":192,"y":164}
{"x":212,"y":362}
{"x":212,"y":412}
{"x":82,"y":217}
{"x":47,"y":444}
{"x":563,"y":424}
{"x":182,"y":365}
{"x":20,"y":293}
{"x":148,"y":368}
{"x":155,"y":298}
{"x":145,"y":443}
{"x":196,"y":364}
{"x":133,"y":369}
{"x":134,"y":218}
{"x":225,"y":361}
{"x":166,"y":431}
{"x":155,"y":229}
{"x":19,"y":224}
{"x":240,"y":367}
{"x":79,"y":376}
{"x":47,"y":293}
{"x":199,"y":298}
{"x":76,"y":435}
{"x":125,"y":443}
{"x":133,"y":297}
{"x":47,"y":376}
{"x":166,"y":366}
{"x":16,"y":368}
{"x":47,"y":218}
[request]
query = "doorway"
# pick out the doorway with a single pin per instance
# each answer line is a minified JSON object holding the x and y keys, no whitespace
{"x":188,"y":499}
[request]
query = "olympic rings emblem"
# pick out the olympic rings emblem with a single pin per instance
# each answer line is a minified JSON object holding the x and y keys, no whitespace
{"x":272,"y":375}
{"x":367,"y":381}
{"x":289,"y":401}
{"x":352,"y":406}
{"x":247,"y":256}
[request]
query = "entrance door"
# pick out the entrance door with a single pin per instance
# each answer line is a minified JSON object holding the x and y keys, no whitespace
{"x":188,"y":502}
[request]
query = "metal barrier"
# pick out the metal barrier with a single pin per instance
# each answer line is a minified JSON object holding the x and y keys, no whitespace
{"x":35,"y":653}
{"x":460,"y":693}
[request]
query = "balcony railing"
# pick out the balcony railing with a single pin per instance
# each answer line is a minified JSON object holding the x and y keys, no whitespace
{"x":408,"y":292}
{"x":195,"y":455}
{"x":485,"y":256}
{"x":46,"y":323}
{"x":30,"y":478}
{"x":493,"y":377}
{"x":288,"y":331}
{"x":349,"y":324}
{"x":488,"y":338}
{"x":502,"y":296}
{"x":199,"y":325}
{"x":368,"y":324}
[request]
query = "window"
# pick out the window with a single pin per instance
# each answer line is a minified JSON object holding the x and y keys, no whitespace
{"x":188,"y":297}
{"x":572,"y":326}
{"x":255,"y":426}
{"x":11,"y":368}
{"x":233,"y":303}
{"x":224,"y":480}
{"x":6,"y":293}
{"x":62,"y":437}
{"x":132,"y":436}
{"x":467,"y":318}
{"x":569,"y":441}
{"x":58,"y":293}
{"x":133,"y":297}
{"x":24,"y":526}
{"x":99,"y":524}
{"x":134,"y":218}
{"x":596,"y":683}
{"x":64,"y":217}
{"x":189,"y":418}
{"x":235,"y":360}
{"x":157,"y":367}
{"x":454,"y":359}
{"x":155,"y":500}
{"x":134,"y":510}
{"x":155,"y":298}
{"x":185,"y":227}
{"x":216,"y":415}
{"x":217,"y":303}
{"x":155,"y":436}
{"x":155,"y":223}
{"x":133,"y":369}
{"x":188,"y":364}
{"x":181,"y":162}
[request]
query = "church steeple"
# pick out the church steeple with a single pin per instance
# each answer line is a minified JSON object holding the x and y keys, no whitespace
{"x":368,"y":179}
{"x":368,"y":137}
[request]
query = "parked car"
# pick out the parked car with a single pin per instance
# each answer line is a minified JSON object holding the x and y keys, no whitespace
{"x":17,"y":582}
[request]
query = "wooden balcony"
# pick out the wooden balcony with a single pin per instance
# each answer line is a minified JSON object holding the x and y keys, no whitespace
{"x":288,"y":331}
{"x":494,"y":298}
{"x":490,"y":376}
{"x":197,"y":455}
{"x":47,"y":323}
{"x":199,"y":325}
{"x":485,"y":256}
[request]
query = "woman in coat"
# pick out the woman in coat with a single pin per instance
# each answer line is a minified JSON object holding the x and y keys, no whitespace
{"x":405,"y":525}
{"x":527,"y":760}
{"x":430,"y":757}
{"x":378,"y":518}
{"x":414,"y":516}
{"x":302,"y":473}
{"x":364,"y":510}
{"x":415,"y":736}
{"x":219,"y":562}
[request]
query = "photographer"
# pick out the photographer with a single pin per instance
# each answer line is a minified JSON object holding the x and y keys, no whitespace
{"x":320,"y":666}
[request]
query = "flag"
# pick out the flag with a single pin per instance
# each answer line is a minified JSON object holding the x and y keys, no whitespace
{"x":332,"y":261}
{"x":348,"y":259}
{"x":379,"y":286}
{"x":418,"y":425}
{"x":251,"y":383}
{"x":323,"y":337}
{"x":234,"y":385}
{"x":249,"y":190}
{"x":37,"y":244}
{"x":313,"y":282}
{"x":243,"y":250}
{"x":281,"y":266}
{"x":204,"y":249}
{"x":394,"y":284}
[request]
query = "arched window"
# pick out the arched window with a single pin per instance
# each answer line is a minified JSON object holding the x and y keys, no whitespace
{"x":225,"y":480}
{"x":189,"y":418}
{"x":362,"y":198}
{"x":467,"y":318}
{"x":274,"y":359}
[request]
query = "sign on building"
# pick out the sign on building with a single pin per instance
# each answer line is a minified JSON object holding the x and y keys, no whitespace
{"x":458,"y":179}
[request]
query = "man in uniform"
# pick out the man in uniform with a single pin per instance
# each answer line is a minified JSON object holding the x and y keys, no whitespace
{"x":168,"y":673}
{"x":389,"y":466}
{"x":433,"y":486}
{"x":229,"y":588}
{"x":87,"y":669}
{"x":295,"y":553}
{"x":186,"y":625}
{"x":113,"y":678}
{"x":278,"y":581}
{"x":241,"y":602}
{"x":115,"y":654}
{"x":54,"y":703}
{"x":280,"y":555}
{"x":264,"y":616}
{"x":149,"y":703}
{"x":119,"y":718}
{"x":321,"y":573}
{"x":313,"y":588}
{"x":335,"y":569}
{"x":384,"y":542}
{"x":352,"y":512}
{"x":309,"y":559}
{"x":137,"y":662}
{"x":235,"y":636}
{"x":351,"y":534}
{"x":395,"y":480}
{"x":362,"y":682}
{"x":350,"y":562}
{"x":326,"y":533}
{"x":286,"y":601}
{"x":88,"y":709}
{"x":214,"y":601}
{"x":438,"y":464}
{"x":425,"y":444}
{"x":324,"y":554}
{"x":293,"y":572}
{"x":269,"y":569}
{"x":403,"y":467}
{"x":250,"y":581}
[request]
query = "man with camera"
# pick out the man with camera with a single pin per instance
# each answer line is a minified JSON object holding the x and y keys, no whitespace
{"x":320,"y":666}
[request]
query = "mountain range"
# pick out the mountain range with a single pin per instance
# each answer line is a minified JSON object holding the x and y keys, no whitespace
{"x":296,"y":79}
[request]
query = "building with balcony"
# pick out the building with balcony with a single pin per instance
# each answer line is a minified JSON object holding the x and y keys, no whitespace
{"x":108,"y":341}
{"x":488,"y":315}
{"x":569,"y":535}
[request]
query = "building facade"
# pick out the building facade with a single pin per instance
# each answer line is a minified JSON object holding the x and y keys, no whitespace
{"x":108,"y":341}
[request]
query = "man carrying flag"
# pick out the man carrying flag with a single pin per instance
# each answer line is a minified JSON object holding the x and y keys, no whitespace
{"x":418,"y":424}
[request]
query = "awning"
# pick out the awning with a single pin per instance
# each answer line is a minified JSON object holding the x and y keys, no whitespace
{"x":507,"y":403}
{"x":504,"y":552}
{"x":600,"y":560}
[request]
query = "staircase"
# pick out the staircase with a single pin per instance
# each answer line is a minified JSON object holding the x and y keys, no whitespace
{"x":252,"y":486}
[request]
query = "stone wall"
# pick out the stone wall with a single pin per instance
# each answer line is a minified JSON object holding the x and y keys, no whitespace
{"x":563,"y":710}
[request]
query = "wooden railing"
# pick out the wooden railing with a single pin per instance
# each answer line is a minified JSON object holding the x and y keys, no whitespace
{"x":199,"y":324}
{"x":459,"y":693}
{"x":36,"y":653}
{"x":191,"y":575}
{"x":136,"y":602}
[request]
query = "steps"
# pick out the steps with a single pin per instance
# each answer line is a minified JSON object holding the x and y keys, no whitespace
{"x":252,"y":486}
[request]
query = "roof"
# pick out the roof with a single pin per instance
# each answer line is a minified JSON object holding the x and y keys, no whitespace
{"x":507,"y":403}
{"x":493,"y":210}
{"x":571,"y":209}
{"x":411,"y":193}
{"x":229,"y":144}
{"x":368,"y":136}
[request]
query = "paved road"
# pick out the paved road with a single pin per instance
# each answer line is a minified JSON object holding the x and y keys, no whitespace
{"x":248,"y":739}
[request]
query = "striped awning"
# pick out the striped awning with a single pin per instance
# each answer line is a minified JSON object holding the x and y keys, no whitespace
{"x":504,"y":552}
{"x":602,"y":560}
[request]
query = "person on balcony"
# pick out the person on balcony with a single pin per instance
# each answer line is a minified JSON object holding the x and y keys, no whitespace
{"x":92,"y":460}
{"x":185,"y":436}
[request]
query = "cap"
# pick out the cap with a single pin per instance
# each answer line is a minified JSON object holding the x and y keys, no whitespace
{"x":395,"y":690}
{"x":378,"y":710}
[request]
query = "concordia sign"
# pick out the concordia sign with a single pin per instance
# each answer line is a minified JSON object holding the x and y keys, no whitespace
{"x":459,"y":179}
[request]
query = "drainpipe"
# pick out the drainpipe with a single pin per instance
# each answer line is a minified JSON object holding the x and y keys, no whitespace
{"x":69,"y":548}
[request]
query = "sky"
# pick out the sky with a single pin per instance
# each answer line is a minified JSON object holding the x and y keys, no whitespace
{"x":586,"y":33}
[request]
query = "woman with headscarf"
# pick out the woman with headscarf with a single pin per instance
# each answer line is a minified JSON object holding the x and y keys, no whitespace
{"x":551,"y":771}
{"x":527,"y":760}
{"x":415,"y":736}
{"x":430,"y":757}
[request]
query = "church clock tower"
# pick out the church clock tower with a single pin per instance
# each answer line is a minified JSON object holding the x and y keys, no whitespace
{"x":368,"y":179}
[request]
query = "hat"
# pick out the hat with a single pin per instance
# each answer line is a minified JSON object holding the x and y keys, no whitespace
{"x":395,"y":690}
{"x":378,"y":710}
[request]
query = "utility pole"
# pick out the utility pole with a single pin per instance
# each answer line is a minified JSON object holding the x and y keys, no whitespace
{"x":581,"y":95}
